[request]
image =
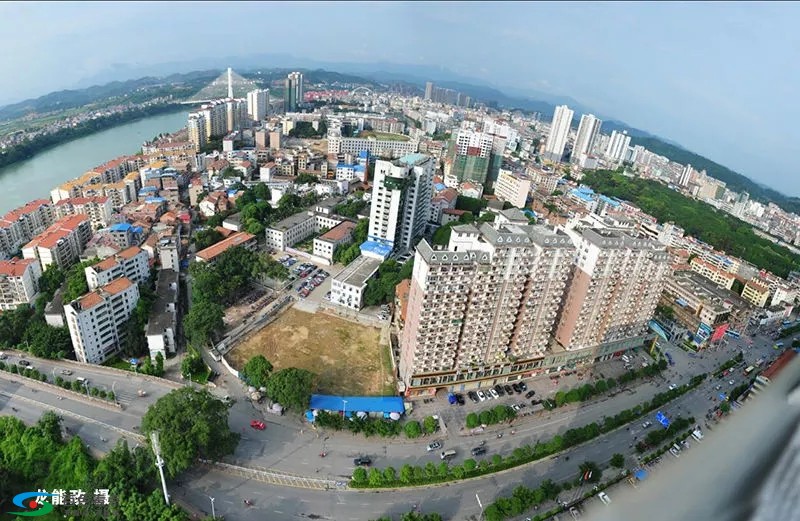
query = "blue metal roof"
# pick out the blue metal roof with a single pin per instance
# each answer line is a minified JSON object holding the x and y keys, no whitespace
{"x":383,"y":404}
{"x":412,"y":159}
{"x":580,"y":194}
{"x":120,"y":227}
{"x":439,"y":187}
{"x":154,"y":199}
{"x":376,"y":247}
{"x":364,"y":154}
{"x":610,"y":201}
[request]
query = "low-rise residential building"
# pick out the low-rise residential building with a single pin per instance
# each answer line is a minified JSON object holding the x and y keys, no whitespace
{"x":169,"y":251}
{"x":61,"y":243}
{"x":704,"y":309}
{"x":214,"y":203}
{"x":756,"y":293}
{"x":247,"y":240}
{"x":163,"y":324}
{"x":19,"y":282}
{"x":232,"y":223}
{"x":326,"y":244}
{"x":300,"y":226}
{"x":397,"y":146}
{"x":444,"y":200}
{"x":720,"y":277}
{"x":54,"y":311}
{"x":97,"y":208}
{"x":512,"y":187}
{"x":96,"y":321}
{"x":125,"y":235}
{"x":347,"y":288}
{"x":131,"y":263}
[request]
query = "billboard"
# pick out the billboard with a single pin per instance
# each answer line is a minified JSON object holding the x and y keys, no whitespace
{"x":719,"y":332}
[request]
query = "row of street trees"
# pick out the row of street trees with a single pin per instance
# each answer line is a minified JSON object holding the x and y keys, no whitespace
{"x":290,"y":387}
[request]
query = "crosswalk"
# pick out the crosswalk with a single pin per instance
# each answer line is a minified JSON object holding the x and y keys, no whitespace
{"x":274,"y":477}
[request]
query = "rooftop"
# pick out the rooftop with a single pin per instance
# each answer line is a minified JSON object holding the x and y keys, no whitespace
{"x":97,"y":296}
{"x":358,"y":272}
{"x":414,"y":159}
{"x":779,"y":363}
{"x":15,"y":267}
{"x":237,"y":239}
{"x":339,"y":232}
{"x":291,"y":221}
{"x":161,"y":317}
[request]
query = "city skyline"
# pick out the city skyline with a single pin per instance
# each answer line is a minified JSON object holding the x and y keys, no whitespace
{"x":696,"y":81}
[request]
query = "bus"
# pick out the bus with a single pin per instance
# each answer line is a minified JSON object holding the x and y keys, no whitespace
{"x":749,"y":370}
{"x":778,"y":346}
{"x":733,"y":334}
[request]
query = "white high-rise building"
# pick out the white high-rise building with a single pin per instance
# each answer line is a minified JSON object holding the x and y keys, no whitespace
{"x":559,"y":131}
{"x":588,"y":130}
{"x":257,"y":104}
{"x":131,"y":263}
{"x":618,"y":146}
{"x":216,"y":116}
{"x":19,"y":282}
{"x":401,"y":200}
{"x":293,"y":93}
{"x":96,"y":321}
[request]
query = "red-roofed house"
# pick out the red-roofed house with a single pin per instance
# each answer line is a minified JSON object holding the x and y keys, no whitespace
{"x":326,"y":244}
{"x":248,"y":240}
{"x":446,"y":199}
{"x":60,"y":244}
{"x":214,"y":203}
{"x":97,"y":208}
{"x":19,"y":282}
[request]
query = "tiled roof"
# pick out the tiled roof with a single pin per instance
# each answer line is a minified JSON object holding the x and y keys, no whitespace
{"x":15,"y":267}
{"x":216,"y":249}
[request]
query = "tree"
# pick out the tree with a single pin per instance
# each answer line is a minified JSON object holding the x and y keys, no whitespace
{"x":291,"y":387}
{"x":256,"y":371}
{"x":191,"y":424}
{"x":205,"y":238}
{"x":261,"y":191}
{"x":159,"y":369}
{"x":47,"y":341}
{"x":441,"y":237}
{"x":359,"y":475}
{"x":203,"y":320}
{"x":76,"y":284}
{"x":472,"y":420}
{"x":412,"y":429}
{"x":304,"y":179}
{"x":191,"y":365}
{"x":51,"y":280}
{"x":618,"y":460}
{"x":429,"y":424}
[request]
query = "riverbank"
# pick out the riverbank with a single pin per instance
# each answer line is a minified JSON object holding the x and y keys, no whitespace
{"x":33,"y":178}
{"x":30,"y":149}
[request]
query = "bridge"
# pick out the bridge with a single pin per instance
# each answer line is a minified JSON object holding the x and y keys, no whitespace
{"x":229,"y":84}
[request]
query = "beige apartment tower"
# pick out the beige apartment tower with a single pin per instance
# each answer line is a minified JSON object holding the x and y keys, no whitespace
{"x":615,"y":286}
{"x":485,"y":306}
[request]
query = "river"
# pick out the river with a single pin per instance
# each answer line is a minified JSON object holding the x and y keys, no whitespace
{"x":35,"y":177}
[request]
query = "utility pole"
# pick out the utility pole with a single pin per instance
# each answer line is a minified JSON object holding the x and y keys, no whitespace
{"x":213,"y":512}
{"x":159,"y":463}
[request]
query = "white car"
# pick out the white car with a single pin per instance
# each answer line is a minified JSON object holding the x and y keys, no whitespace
{"x":604,"y":498}
{"x":494,"y":394}
{"x":672,"y":387}
{"x":674,"y":452}
{"x":481,"y":396}
{"x":731,"y":382}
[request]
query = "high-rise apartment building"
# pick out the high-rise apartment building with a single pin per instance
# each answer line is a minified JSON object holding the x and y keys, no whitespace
{"x":588,"y":130}
{"x":559,"y":131}
{"x":97,"y":208}
{"x":96,"y":321}
{"x":615,"y":286}
{"x":618,"y":146}
{"x":216,"y":117}
{"x":429,"y":90}
{"x":236,"y":115}
{"x":258,"y":104}
{"x":131,"y":263}
{"x":198,"y":130}
{"x":21,"y":224}
{"x":19,"y":282}
{"x":401,"y":200}
{"x":293,"y":94}
{"x":484,"y":307}
{"x":470,"y":157}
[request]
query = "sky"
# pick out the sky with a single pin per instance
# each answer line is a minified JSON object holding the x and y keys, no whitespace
{"x":718,"y":78}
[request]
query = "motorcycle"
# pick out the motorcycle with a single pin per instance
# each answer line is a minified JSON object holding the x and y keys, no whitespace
{"x":323,"y":454}
{"x":481,"y":444}
{"x":500,"y":435}
{"x":248,"y":502}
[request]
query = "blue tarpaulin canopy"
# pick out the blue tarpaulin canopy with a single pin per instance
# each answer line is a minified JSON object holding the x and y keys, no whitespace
{"x":381,"y":404}
{"x":640,"y":474}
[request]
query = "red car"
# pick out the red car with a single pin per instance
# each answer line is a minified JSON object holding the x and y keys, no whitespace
{"x":258,"y":425}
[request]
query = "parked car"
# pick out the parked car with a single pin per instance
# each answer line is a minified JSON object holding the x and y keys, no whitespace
{"x":473,"y":396}
{"x":258,"y":425}
{"x":362,"y":461}
{"x":477,"y":451}
{"x":523,"y":387}
{"x":460,"y":398}
{"x":494,"y":394}
{"x":24,"y":363}
{"x":499,"y":390}
{"x":66,"y":372}
{"x":508,"y":389}
{"x":530,"y":394}
{"x":481,"y":396}
{"x":435,"y":445}
{"x":516,"y":388}
{"x":647,"y":425}
{"x":602,"y":496}
{"x":672,"y":387}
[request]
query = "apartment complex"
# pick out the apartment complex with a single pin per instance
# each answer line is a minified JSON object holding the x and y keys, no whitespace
{"x":258,"y":104}
{"x":22,"y":224}
{"x":293,"y":92}
{"x":618,"y":146}
{"x":615,"y":287}
{"x":197,"y":129}
{"x":470,"y":157}
{"x":61,"y":243}
{"x":131,"y":263}
{"x":98,"y":209}
{"x":484,"y":307}
{"x":96,"y":321}
{"x":401,"y":201}
{"x":393,"y":148}
{"x":756,"y":293}
{"x":588,"y":130}
{"x":300,"y":226}
{"x":19,"y":282}
{"x":718,"y":276}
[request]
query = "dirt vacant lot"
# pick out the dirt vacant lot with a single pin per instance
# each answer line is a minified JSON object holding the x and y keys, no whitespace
{"x":347,"y":357}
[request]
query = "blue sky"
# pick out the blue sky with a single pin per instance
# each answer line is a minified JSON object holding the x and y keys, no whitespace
{"x":719,"y":78}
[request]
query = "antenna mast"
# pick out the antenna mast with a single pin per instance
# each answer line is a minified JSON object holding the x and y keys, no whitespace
{"x":159,"y":460}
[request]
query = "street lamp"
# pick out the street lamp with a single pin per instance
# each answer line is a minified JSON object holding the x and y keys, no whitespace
{"x":344,"y":411}
{"x":213,"y":512}
{"x":113,"y":384}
